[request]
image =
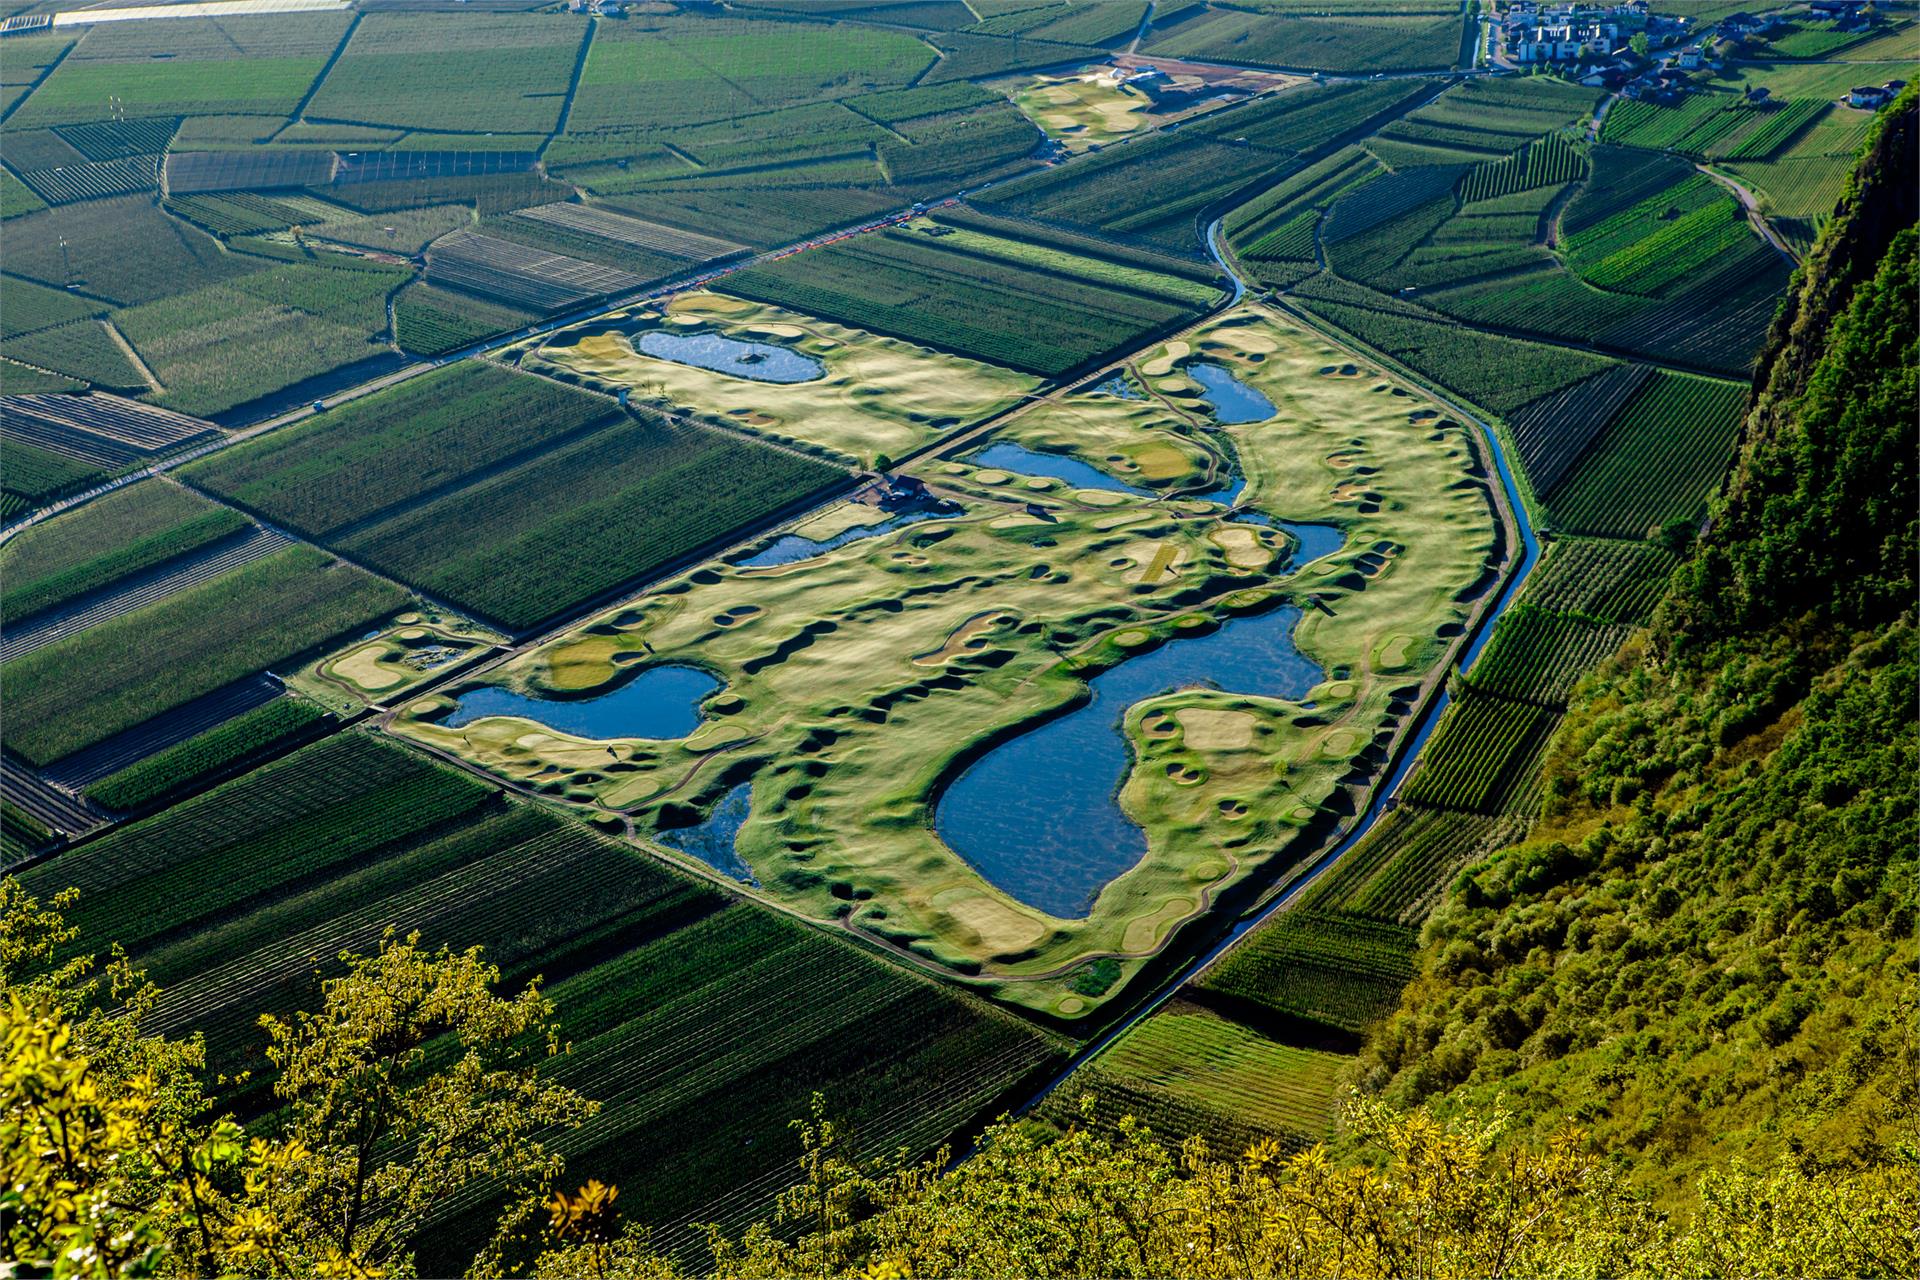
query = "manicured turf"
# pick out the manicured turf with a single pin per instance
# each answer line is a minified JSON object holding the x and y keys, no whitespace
{"x":87,"y":687}
{"x":860,"y":675}
{"x":876,"y":397}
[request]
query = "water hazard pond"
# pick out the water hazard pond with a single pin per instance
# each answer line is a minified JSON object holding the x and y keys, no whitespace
{"x":660,"y":702}
{"x":759,"y":361}
{"x":1039,"y":816}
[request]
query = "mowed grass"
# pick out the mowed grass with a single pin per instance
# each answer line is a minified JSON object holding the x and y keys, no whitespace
{"x":501,"y":73}
{"x":89,"y":686}
{"x":855,"y":678}
{"x":704,"y":1024}
{"x":876,"y":398}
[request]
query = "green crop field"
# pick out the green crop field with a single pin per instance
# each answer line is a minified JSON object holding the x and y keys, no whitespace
{"x":82,"y":350}
{"x":1483,"y":755}
{"x":1397,"y":872}
{"x":420,"y":438}
{"x":124,"y":250}
{"x":137,"y":528}
{"x":1337,"y":970}
{"x":1602,"y":579}
{"x":677,"y":999}
{"x":1406,"y":41}
{"x":88,"y":686}
{"x":488,"y":72}
{"x":33,"y":476}
{"x":1537,"y":655}
{"x":545,"y":535}
{"x":194,"y":66}
{"x":431,"y":322}
{"x":238,"y":744}
{"x":1656,"y":462}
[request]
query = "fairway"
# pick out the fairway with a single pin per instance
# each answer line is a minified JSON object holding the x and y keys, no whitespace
{"x":862,"y":680}
{"x":874,"y":397}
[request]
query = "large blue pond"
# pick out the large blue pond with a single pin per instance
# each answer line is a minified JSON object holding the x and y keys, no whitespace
{"x":760,"y":361}
{"x":1232,"y":399}
{"x":660,"y":702}
{"x":1039,"y":817}
{"x":712,"y":841}
{"x":791,"y":547}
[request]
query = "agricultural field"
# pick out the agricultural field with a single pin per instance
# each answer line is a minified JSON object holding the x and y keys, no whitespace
{"x":868,"y":399}
{"x":1484,"y":755}
{"x":86,"y":687}
{"x":186,"y":67}
{"x":239,"y":744}
{"x":1323,"y":968}
{"x":104,"y":542}
{"x":498,"y":73}
{"x":1188,"y":1071}
{"x":912,"y":650}
{"x":983,"y":297}
{"x":517,"y":528}
{"x":217,"y":349}
{"x":1601,"y":579}
{"x":1537,"y":655}
{"x":228,"y":900}
{"x":1657,"y":461}
{"x":124,"y":250}
{"x":1411,"y":38}
{"x":432,"y":322}
{"x":35,"y":476}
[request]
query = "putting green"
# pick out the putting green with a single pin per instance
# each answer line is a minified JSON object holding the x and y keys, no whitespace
{"x":859,"y":680}
{"x":878,"y":397}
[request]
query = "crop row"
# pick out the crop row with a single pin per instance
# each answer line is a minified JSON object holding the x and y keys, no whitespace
{"x":82,"y":350}
{"x":1658,"y":460}
{"x":1231,"y":1069}
{"x":521,"y":275}
{"x":1604,"y":579}
{"x":1693,"y":125}
{"x":682,"y":1008}
{"x":87,"y":687}
{"x":94,"y":181}
{"x":1551,"y":161}
{"x":1398,"y":870}
{"x":383,"y":452}
{"x":1482,"y":755}
{"x":525,"y":544}
{"x":35,"y":477}
{"x":1252,"y":225}
{"x":431,"y":322}
{"x":1370,"y":42}
{"x":1537,"y":655}
{"x":1552,"y":433}
{"x":40,"y":576}
{"x":235,"y":213}
{"x":243,"y":740}
{"x":1337,"y":970}
{"x":1171,"y":1119}
{"x":1498,"y":373}
{"x":1371,"y":256}
{"x":1623,"y":177}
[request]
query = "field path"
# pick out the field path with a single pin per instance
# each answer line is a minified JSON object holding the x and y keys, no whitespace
{"x":1751,"y":204}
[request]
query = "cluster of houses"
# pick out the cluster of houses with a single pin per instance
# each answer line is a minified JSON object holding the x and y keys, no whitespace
{"x":1557,"y":33}
{"x":598,"y":8}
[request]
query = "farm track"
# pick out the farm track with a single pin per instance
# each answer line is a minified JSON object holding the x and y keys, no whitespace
{"x":1751,"y":205}
{"x":142,"y":589}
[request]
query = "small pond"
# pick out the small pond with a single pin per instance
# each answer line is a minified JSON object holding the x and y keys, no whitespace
{"x":659,"y":702}
{"x":1316,"y":540}
{"x":1122,"y":386}
{"x":1008,"y":456}
{"x":1232,"y":399}
{"x":791,"y":547}
{"x":712,"y":841}
{"x":759,"y":361}
{"x":1039,"y":817}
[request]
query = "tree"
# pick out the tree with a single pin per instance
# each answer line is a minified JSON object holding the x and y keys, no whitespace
{"x":1639,"y":44}
{"x":413,"y":1084}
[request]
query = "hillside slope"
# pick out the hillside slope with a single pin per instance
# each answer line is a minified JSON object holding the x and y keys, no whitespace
{"x":1705,"y":949}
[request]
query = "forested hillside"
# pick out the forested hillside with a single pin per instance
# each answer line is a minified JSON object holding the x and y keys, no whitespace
{"x":1705,"y":950}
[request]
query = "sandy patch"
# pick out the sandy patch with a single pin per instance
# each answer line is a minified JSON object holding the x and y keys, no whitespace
{"x":1210,"y":730}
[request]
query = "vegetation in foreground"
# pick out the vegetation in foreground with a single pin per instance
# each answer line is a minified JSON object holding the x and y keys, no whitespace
{"x":417,"y":1081}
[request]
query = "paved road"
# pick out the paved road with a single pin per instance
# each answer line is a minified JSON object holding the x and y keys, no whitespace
{"x":1751,"y":204}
